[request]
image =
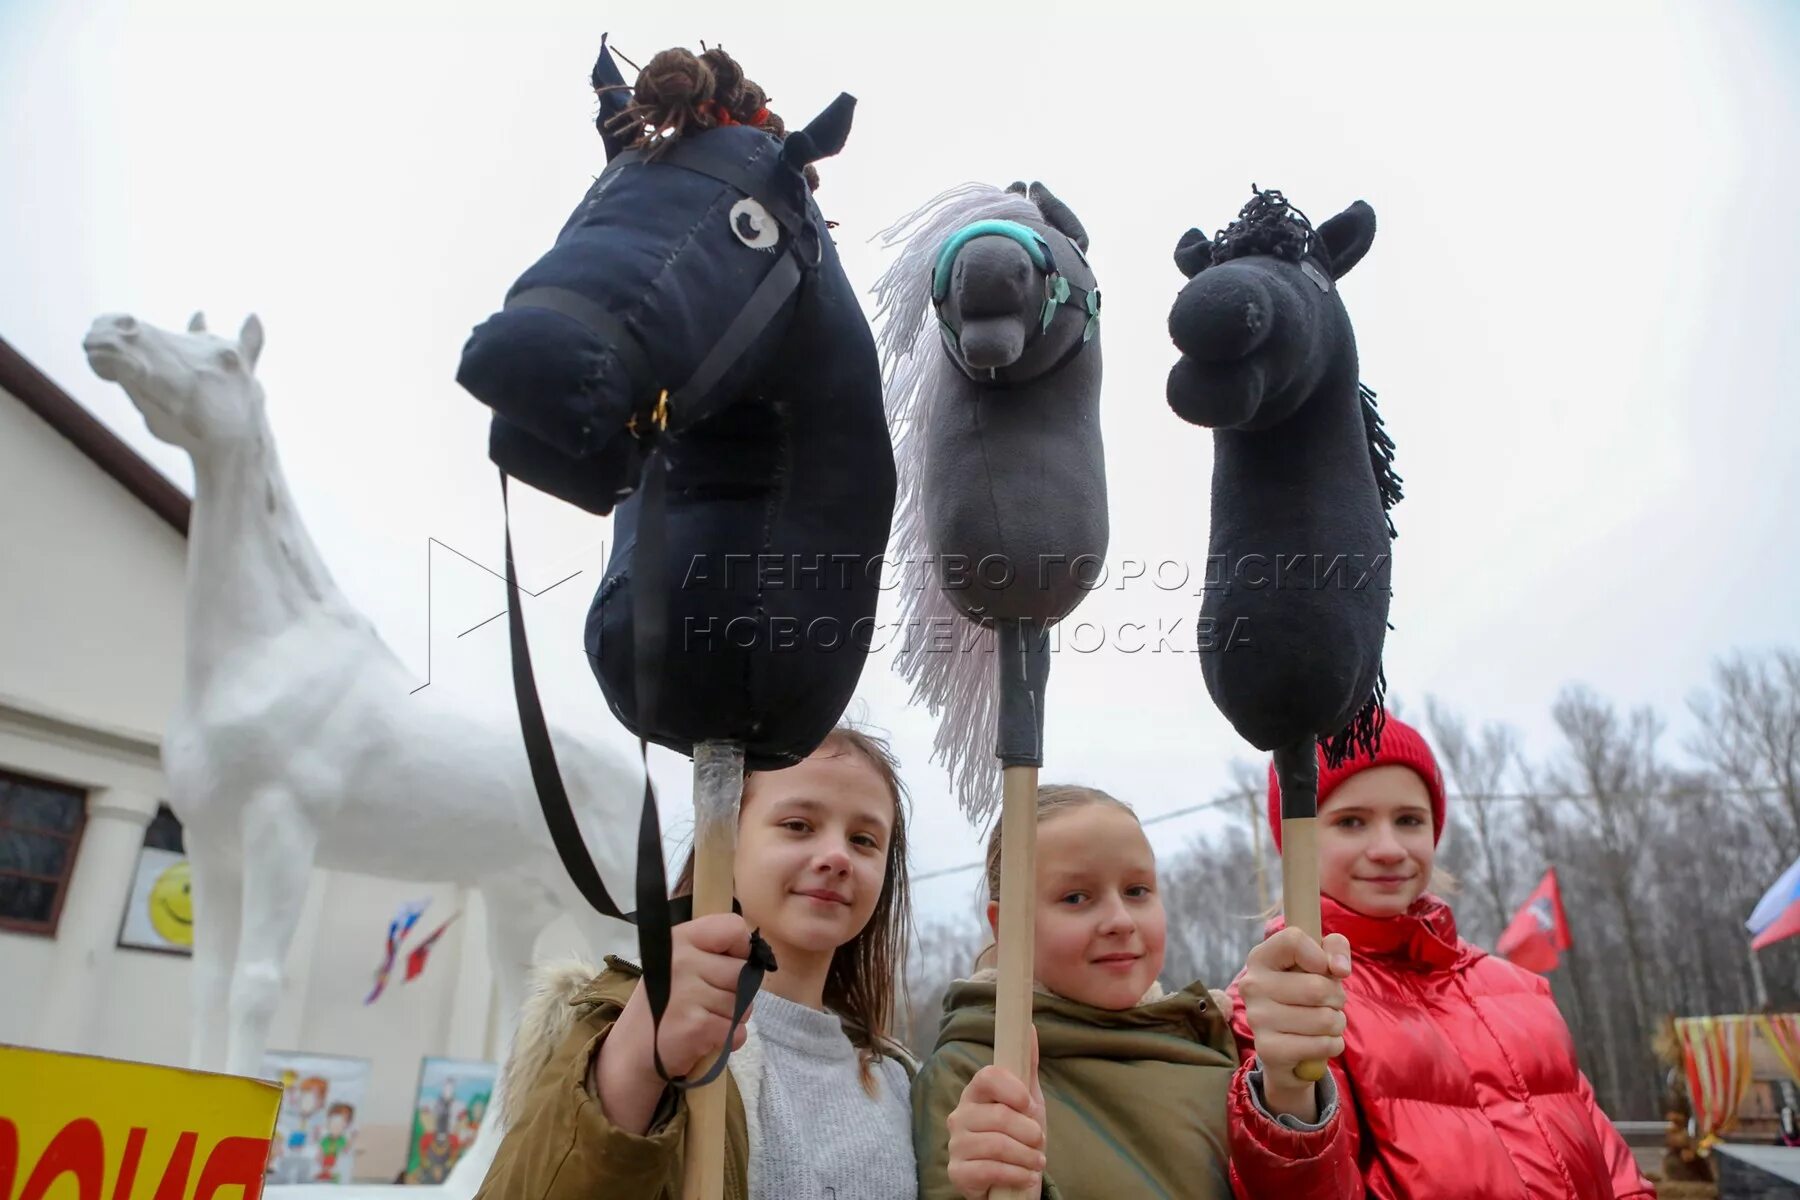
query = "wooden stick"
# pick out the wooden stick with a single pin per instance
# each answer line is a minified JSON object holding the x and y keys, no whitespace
{"x":718,"y":787}
{"x":1300,"y":897}
{"x":1018,"y":924}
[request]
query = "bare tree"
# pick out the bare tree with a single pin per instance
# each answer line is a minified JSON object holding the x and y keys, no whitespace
{"x":1210,"y":896}
{"x":1613,"y":765}
{"x":1750,"y":735}
{"x":1479,"y":768}
{"x":946,"y":952}
{"x":1660,"y":862}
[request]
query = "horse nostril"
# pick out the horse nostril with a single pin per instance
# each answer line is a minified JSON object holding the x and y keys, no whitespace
{"x":1221,"y":316}
{"x":127,"y":326}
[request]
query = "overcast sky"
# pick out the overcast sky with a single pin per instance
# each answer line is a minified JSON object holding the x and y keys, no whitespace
{"x":1580,"y":309}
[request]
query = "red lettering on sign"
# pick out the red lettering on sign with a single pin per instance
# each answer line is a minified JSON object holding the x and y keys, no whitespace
{"x":134,"y":1150}
{"x":75,"y":1150}
{"x":175,"y":1175}
{"x":234,"y":1162}
{"x":9,"y":1155}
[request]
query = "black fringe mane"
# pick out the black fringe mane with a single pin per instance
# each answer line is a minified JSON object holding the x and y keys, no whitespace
{"x":1381,"y":455}
{"x":1268,"y":224}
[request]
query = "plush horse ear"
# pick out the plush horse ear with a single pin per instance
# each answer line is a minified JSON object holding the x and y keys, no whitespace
{"x":1347,"y":237}
{"x":1017,"y":188}
{"x":250,"y":341}
{"x":823,"y":136}
{"x":1061,"y":217}
{"x":609,"y":86}
{"x":1193,"y":253}
{"x":197,"y":323}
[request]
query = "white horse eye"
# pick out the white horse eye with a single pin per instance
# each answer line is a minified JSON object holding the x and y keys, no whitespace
{"x":753,"y":225}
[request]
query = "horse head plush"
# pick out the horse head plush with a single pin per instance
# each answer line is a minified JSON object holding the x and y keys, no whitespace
{"x":1293,"y":631}
{"x":990,"y":338}
{"x":1302,"y":474}
{"x":693,"y":316}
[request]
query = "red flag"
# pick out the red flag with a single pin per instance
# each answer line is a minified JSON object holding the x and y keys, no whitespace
{"x":415,"y":960}
{"x":1539,"y":932}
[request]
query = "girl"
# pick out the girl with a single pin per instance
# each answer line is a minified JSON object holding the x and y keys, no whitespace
{"x":818,"y":1098}
{"x":1133,"y":1079}
{"x":1458,"y":1069}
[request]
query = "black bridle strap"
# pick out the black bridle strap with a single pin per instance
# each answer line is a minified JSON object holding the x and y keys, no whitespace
{"x":687,"y":404}
{"x":611,"y":331}
{"x":692,"y":402}
{"x":733,"y":170}
{"x":657,"y":914}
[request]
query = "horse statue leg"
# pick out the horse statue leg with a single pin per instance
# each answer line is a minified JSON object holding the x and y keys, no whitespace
{"x":517,"y":910}
{"x":280,"y":845}
{"x":218,"y":883}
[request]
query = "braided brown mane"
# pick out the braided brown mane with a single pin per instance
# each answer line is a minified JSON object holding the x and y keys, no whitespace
{"x":679,"y":92}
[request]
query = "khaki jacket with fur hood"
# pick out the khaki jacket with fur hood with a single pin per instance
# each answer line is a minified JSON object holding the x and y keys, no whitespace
{"x":561,"y":1146}
{"x":1135,"y":1099}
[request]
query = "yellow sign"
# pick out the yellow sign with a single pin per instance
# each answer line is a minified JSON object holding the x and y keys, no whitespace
{"x":79,"y":1128}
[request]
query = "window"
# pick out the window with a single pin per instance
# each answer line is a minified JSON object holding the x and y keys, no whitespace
{"x":40,"y":826}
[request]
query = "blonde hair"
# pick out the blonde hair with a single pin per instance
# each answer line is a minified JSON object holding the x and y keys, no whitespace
{"x":1052,"y":798}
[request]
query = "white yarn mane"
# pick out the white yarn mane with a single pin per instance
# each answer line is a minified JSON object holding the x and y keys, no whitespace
{"x":948,"y":660}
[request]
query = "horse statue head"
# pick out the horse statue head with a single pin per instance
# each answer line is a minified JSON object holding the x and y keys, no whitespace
{"x":1302,"y":475}
{"x":693,"y":315}
{"x":991,"y":349}
{"x":195,"y":389}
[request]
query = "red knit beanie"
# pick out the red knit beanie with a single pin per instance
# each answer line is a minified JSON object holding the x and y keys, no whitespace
{"x":1401,"y":746}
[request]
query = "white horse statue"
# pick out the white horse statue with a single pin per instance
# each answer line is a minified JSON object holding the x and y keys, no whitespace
{"x":296,"y":742}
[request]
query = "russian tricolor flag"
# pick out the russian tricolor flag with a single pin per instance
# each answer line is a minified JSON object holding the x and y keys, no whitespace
{"x":1777,"y":914}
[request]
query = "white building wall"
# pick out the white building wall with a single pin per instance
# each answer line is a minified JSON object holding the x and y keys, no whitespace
{"x":91,"y":596}
{"x":91,"y":584}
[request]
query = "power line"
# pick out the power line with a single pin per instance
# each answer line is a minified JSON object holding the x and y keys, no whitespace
{"x":1230,"y":801}
{"x":1167,"y":816}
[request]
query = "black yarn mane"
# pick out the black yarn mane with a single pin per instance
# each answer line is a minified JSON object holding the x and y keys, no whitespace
{"x":1269,"y":225}
{"x":1381,"y":455}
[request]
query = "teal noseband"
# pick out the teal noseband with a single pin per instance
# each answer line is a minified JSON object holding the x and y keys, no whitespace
{"x":1057,"y":290}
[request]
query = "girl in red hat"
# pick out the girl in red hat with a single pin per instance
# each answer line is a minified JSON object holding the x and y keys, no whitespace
{"x":1454,"y":1073}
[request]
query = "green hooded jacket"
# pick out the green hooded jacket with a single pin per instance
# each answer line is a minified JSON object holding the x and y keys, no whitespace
{"x":1135,"y":1099}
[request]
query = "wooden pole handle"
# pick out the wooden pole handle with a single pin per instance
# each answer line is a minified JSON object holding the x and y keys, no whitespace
{"x":718,"y":786}
{"x":1018,"y":925}
{"x":1300,"y":898}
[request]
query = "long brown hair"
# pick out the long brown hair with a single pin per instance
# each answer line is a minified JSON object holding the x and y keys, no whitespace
{"x":862,"y":983}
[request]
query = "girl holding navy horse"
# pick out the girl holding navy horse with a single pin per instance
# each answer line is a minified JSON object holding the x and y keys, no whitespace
{"x":1451,"y":1073}
{"x":656,"y":279}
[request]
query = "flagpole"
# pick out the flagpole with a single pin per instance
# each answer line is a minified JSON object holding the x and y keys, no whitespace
{"x":1760,"y":990}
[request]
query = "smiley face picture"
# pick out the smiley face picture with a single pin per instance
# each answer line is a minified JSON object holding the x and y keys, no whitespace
{"x":171,"y":905}
{"x":160,"y":913}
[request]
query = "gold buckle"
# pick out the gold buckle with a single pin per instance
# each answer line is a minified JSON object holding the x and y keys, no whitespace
{"x":659,"y":416}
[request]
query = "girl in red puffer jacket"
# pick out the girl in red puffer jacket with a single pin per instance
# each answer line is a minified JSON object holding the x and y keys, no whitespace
{"x":1455,"y":1074}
